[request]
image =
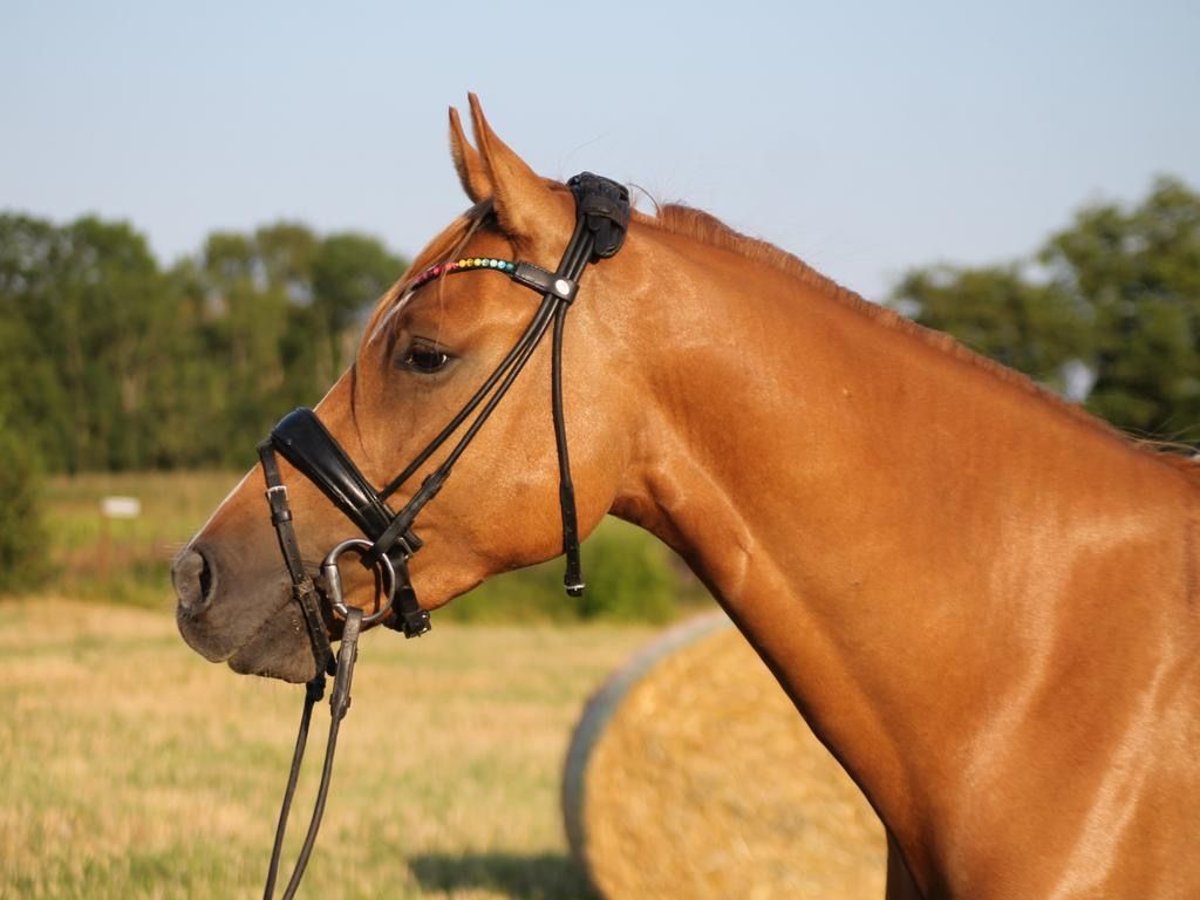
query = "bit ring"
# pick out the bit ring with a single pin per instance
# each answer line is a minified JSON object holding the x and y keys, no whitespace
{"x":333,"y":579}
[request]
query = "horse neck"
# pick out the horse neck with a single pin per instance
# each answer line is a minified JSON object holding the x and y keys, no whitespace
{"x":903,"y":534}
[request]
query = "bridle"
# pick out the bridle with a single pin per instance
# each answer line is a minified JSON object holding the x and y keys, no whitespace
{"x":601,"y":220}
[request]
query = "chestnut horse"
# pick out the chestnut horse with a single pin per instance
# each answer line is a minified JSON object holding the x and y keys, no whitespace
{"x":984,"y":602}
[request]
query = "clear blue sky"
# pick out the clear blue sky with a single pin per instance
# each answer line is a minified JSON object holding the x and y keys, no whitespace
{"x":866,"y":137}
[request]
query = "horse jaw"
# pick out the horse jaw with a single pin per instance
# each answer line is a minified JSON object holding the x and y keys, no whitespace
{"x":282,"y":651}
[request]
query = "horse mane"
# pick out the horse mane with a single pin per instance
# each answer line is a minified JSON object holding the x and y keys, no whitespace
{"x":708,"y":229}
{"x":679,"y":219}
{"x":687,"y":221}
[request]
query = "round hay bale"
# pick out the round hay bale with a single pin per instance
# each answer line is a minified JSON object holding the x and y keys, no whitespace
{"x":691,"y":774}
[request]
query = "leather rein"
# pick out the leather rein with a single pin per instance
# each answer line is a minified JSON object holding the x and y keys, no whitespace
{"x":602,"y":219}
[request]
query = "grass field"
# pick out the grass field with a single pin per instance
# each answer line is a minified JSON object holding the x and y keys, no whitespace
{"x":131,"y":768}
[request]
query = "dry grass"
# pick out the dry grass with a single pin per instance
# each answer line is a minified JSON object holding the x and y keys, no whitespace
{"x":131,"y":768}
{"x":705,"y":783}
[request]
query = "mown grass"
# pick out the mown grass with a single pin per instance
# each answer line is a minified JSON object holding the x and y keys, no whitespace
{"x":130,"y":768}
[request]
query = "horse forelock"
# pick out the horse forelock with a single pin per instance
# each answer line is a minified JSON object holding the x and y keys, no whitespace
{"x":445,"y":246}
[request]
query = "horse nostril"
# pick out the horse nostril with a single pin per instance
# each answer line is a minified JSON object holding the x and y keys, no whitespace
{"x":193,"y":578}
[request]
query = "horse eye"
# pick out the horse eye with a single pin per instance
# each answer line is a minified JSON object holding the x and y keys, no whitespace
{"x":424,"y":359}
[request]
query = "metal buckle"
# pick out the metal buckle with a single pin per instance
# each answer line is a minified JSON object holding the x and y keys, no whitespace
{"x":333,"y":579}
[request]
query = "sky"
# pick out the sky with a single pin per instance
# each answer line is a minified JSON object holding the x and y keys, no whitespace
{"x":865,"y":137}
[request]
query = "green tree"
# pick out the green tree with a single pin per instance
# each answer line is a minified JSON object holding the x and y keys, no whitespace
{"x":280,"y":309}
{"x":349,"y":272}
{"x":36,"y":401}
{"x":248,"y":321}
{"x":1037,"y":328}
{"x":85,"y":313}
{"x":1138,"y":273}
{"x":1118,"y":290}
{"x":110,"y":363}
{"x":22,"y":532}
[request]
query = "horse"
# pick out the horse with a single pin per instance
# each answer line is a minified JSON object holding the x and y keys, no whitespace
{"x":984,"y":602}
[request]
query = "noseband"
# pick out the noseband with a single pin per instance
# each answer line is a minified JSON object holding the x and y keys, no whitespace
{"x":601,"y":220}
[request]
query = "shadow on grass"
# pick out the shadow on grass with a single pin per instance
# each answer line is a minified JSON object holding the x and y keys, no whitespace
{"x":547,"y":876}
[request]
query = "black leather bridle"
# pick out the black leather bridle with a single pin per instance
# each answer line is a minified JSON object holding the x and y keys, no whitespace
{"x":602,"y":218}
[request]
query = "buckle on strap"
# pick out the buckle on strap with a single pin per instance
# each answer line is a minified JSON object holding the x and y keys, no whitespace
{"x":277,"y":501}
{"x":409,"y":619}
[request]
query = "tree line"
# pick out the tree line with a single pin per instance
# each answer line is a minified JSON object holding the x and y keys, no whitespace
{"x":108,"y":361}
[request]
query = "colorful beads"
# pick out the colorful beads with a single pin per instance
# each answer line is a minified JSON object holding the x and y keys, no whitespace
{"x":462,"y":265}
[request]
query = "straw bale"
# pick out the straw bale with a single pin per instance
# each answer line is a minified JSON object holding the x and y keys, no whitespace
{"x":691,"y":775}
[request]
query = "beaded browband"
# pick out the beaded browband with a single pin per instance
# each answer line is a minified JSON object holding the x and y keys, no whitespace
{"x":521,"y":272}
{"x":476,"y":262}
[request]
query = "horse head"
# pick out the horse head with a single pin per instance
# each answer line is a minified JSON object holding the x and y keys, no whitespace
{"x":429,"y":346}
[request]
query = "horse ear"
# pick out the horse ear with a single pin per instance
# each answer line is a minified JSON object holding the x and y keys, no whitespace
{"x":525,"y":204}
{"x":468,"y":163}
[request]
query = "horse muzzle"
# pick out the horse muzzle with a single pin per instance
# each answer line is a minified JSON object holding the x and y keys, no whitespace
{"x":247,"y":620}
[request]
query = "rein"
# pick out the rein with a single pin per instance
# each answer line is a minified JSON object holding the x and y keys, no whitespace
{"x":602,"y":218}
